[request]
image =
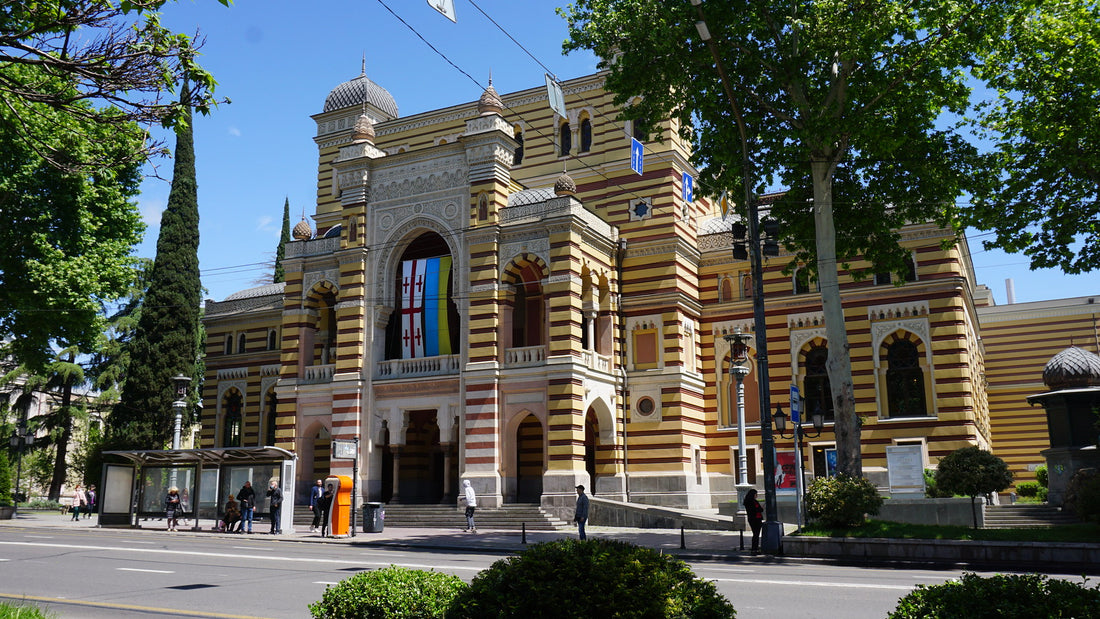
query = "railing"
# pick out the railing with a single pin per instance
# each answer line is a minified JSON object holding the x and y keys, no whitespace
{"x":422,"y":366}
{"x":527,"y":355}
{"x":596,"y":361}
{"x":318,"y":373}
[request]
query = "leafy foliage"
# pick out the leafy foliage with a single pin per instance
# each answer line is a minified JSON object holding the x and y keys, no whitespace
{"x":972,"y":472}
{"x":842,"y":500}
{"x":1083,"y":494}
{"x":1042,"y":476}
{"x":10,"y":610}
{"x":1004,"y":595}
{"x":390,"y":593}
{"x":69,"y":235}
{"x":591,"y":578}
{"x":1031,"y":489}
{"x":931,"y":489}
{"x":7,"y":480}
{"x":280,"y":252}
{"x":1038,"y":189}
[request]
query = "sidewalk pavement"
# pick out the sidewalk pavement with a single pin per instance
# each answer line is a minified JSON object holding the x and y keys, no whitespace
{"x":688,"y":544}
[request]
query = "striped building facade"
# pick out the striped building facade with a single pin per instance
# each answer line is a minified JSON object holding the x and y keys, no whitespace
{"x":466,"y":309}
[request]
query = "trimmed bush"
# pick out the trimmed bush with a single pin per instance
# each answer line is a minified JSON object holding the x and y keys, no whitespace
{"x":1083,"y":494}
{"x":1005,"y":595}
{"x":842,"y":501}
{"x":1028,"y":488}
{"x":1041,"y":476}
{"x":390,"y":593}
{"x":594,"y":578}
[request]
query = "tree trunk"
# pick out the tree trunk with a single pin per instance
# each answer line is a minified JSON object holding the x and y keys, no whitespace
{"x":65,"y":422}
{"x":846,"y":426}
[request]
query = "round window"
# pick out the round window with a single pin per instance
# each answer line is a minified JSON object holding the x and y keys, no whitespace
{"x":646,"y":406}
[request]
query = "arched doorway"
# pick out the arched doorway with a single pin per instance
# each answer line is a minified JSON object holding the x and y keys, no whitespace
{"x":530,"y":463}
{"x":591,"y":446}
{"x":420,"y":477}
{"x":322,"y":446}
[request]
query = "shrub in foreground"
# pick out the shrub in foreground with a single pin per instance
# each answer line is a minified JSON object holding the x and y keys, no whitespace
{"x":389,"y":593}
{"x":593,"y":578}
{"x":13,"y":610}
{"x":842,"y":501}
{"x":1083,"y":494}
{"x":1005,"y":595}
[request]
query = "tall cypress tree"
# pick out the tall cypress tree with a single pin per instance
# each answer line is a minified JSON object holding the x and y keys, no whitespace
{"x":284,"y":238}
{"x":164,"y":341}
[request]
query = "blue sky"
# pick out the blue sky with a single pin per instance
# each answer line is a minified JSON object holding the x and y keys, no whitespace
{"x":277,"y":60}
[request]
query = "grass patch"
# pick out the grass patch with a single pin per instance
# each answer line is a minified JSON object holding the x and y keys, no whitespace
{"x":897,"y":530}
{"x":19,"y":610}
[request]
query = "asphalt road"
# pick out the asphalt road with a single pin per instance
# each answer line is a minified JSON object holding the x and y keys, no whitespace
{"x":119,"y":574}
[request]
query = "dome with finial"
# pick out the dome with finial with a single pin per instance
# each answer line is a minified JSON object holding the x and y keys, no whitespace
{"x":303,"y":231}
{"x":364,"y":129}
{"x":1072,"y":368}
{"x":490,"y":102}
{"x":355,"y":92}
{"x":565,"y":186}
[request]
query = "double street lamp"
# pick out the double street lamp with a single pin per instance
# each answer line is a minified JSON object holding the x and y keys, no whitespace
{"x":817,"y":419}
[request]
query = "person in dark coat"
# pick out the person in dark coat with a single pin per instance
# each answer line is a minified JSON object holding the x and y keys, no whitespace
{"x":172,"y":508}
{"x":325,"y":505}
{"x":232,"y":515}
{"x":276,"y":495}
{"x":581,"y":515}
{"x":90,"y":508}
{"x":314,"y":505}
{"x":247,"y":498}
{"x":755,"y":515}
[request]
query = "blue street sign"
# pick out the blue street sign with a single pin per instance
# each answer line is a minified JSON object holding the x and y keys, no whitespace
{"x":796,"y":405}
{"x":636,"y":155}
{"x":689,"y":187}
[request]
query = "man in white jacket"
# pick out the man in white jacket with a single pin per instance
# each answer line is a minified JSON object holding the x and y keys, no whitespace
{"x":471,"y":505}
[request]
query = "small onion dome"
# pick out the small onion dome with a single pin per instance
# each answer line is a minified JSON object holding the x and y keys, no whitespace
{"x":1073,"y":367}
{"x":490,"y":102}
{"x":363,"y":130}
{"x":302,"y":231}
{"x":565,"y":186}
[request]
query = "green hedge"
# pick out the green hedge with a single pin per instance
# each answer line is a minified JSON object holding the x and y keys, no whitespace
{"x":1030,"y":596}
{"x":842,"y":501}
{"x":591,"y":578}
{"x":390,"y":593}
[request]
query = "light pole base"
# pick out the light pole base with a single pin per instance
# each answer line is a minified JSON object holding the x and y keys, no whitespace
{"x":772,"y":542}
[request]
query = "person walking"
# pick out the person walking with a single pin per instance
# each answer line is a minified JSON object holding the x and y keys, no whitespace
{"x":276,"y":495}
{"x":232,"y":515}
{"x":471,"y":505}
{"x":755,"y":515}
{"x":172,"y":508}
{"x":581,"y":515}
{"x":89,"y":508}
{"x":314,"y":505}
{"x":325,"y":504}
{"x":247,"y":498}
{"x":80,"y":500}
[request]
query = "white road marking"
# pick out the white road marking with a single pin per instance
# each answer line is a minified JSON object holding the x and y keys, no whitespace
{"x":811,"y":583}
{"x":134,"y":569}
{"x":39,"y":536}
{"x":324,"y":582}
{"x":223,"y":555}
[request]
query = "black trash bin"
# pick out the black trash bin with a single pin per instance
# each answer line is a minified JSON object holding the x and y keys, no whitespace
{"x":374,"y":517}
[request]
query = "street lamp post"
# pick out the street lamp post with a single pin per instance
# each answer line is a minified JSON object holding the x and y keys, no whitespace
{"x":818,"y":421}
{"x":179,"y":383}
{"x":20,"y":441}
{"x":738,"y":368}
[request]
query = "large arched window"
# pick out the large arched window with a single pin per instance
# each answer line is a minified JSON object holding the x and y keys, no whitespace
{"x":904,"y":380}
{"x":269,"y":422}
{"x":565,"y":139}
{"x":228,"y":350}
{"x":426,"y":321}
{"x":815,"y":386}
{"x":231,"y":428}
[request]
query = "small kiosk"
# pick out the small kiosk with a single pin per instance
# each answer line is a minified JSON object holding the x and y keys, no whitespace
{"x":339,"y":516}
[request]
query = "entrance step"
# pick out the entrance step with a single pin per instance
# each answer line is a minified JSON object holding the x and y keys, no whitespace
{"x":1020,"y":515}
{"x":509,"y":517}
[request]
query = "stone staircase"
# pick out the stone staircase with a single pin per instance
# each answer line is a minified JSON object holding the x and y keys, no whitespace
{"x":1019,"y":515}
{"x":508,"y":517}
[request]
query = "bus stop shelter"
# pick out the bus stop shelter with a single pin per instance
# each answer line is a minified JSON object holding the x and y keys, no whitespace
{"x":135,"y":483}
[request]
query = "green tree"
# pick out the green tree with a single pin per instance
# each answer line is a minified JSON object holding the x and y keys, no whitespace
{"x":69,"y":235}
{"x":114,"y":52}
{"x":280,"y":251}
{"x":6,"y":479}
{"x":164,"y":343}
{"x":1039,"y":192}
{"x":834,"y":100}
{"x":972,"y":472}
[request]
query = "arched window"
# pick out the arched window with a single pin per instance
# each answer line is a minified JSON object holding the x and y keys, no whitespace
{"x":518,"y":135}
{"x":586,"y":135}
{"x":228,"y":345}
{"x":272,"y":340}
{"x":746,"y":286}
{"x":637,"y":131}
{"x":816,"y":387}
{"x":910,"y":269}
{"x":565,"y":139}
{"x":726,"y":290}
{"x":802,"y":281}
{"x":904,"y":380}
{"x":231,"y":429}
{"x":241,"y":341}
{"x":269,"y":429}
{"x":482,"y":207}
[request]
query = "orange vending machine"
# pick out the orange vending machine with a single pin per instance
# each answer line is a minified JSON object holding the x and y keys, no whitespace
{"x":340,"y":514}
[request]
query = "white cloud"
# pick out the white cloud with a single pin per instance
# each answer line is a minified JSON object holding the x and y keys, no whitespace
{"x":150,"y":212}
{"x":264,"y":224}
{"x":235,"y":132}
